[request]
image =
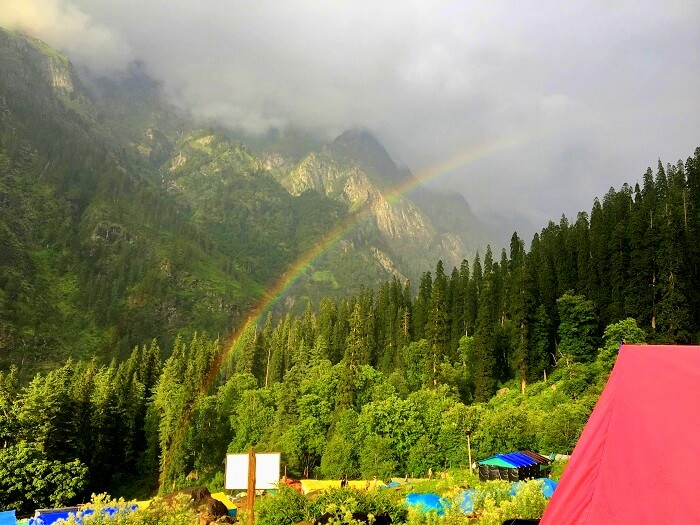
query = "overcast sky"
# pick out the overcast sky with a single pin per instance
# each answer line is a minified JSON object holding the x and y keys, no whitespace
{"x":592,"y":92}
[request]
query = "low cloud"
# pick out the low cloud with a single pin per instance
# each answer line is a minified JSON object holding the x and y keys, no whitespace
{"x":595,"y":91}
{"x":70,"y":29}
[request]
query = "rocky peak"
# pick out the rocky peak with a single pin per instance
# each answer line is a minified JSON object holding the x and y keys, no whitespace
{"x":360,"y":148}
{"x":54,"y":67}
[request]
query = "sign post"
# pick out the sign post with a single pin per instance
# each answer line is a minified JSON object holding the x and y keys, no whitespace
{"x":238,"y":468}
{"x":251,"y":486}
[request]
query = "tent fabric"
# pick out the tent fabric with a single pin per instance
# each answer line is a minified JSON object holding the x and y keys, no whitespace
{"x":620,"y":470}
{"x":314,"y":485}
{"x":8,"y":517}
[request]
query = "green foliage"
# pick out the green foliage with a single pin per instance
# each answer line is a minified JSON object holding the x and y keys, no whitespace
{"x":625,"y":331}
{"x":174,"y":511}
{"x":528,"y":503}
{"x":286,"y":507}
{"x":376,"y":458}
{"x":341,"y":503}
{"x":28,"y":480}
{"x":577,"y":327}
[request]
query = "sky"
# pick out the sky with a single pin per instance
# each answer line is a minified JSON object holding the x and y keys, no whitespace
{"x":581,"y":95}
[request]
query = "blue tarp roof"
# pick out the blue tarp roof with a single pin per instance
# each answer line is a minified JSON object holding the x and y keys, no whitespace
{"x":516,"y":459}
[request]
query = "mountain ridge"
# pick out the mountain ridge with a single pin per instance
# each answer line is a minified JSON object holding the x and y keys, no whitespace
{"x":151,"y":225}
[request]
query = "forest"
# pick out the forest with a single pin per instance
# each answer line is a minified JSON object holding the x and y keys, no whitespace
{"x":513,"y":348}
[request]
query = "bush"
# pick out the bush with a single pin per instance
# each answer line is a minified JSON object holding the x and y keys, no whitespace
{"x":175,"y":511}
{"x":284,"y":508}
{"x":528,"y":503}
{"x":29,"y":481}
{"x":341,"y":503}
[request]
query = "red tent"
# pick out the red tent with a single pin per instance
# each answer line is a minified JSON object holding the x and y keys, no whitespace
{"x":638,"y":457}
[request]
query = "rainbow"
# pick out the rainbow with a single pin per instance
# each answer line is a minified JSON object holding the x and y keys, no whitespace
{"x":279,"y":288}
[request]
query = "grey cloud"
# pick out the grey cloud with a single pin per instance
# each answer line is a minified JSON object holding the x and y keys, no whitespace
{"x":596,"y":90}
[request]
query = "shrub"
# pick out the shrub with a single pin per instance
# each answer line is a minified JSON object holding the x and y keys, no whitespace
{"x":175,"y":511}
{"x":528,"y":503}
{"x":284,"y":508}
{"x":341,"y":503}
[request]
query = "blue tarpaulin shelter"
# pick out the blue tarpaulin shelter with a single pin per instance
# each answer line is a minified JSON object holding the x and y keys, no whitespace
{"x":514,"y":466}
{"x":8,"y":517}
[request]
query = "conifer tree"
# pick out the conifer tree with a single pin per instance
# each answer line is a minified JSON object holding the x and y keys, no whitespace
{"x":485,"y":347}
{"x":437,"y":327}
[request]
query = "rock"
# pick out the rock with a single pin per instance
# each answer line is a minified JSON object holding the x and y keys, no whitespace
{"x":205,"y":518}
{"x":198,"y":495}
{"x":215,"y":507}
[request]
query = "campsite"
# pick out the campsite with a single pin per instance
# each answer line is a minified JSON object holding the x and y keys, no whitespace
{"x":647,"y":386}
{"x":348,"y":263}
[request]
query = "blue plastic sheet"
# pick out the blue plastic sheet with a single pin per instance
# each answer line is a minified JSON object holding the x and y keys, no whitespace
{"x":8,"y":517}
{"x":548,"y":486}
{"x":49,"y":518}
{"x":427,"y":503}
{"x":466,"y":500}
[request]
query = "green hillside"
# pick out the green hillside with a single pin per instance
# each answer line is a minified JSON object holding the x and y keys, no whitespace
{"x":100,"y":252}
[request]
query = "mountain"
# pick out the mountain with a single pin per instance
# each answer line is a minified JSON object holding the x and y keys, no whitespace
{"x":122,"y":221}
{"x":414,"y":227}
{"x":96,"y":258}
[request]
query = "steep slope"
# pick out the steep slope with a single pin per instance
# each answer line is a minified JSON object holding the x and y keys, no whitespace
{"x":120,"y":222}
{"x":413,"y":229}
{"x":248,"y":214}
{"x":95,"y":258}
{"x":117,"y":225}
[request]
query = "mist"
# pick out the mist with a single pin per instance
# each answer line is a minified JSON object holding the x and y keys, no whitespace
{"x":593,"y":92}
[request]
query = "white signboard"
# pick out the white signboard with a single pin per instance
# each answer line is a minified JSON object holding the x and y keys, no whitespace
{"x":267,"y":471}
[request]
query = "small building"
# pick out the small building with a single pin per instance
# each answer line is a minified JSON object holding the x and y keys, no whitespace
{"x":514,"y":466}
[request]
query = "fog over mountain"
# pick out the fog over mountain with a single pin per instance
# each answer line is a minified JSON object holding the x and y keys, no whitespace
{"x":578,"y":91}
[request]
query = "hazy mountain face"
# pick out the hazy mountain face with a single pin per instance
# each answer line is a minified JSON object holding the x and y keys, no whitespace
{"x":532,"y":110}
{"x":123,"y":222}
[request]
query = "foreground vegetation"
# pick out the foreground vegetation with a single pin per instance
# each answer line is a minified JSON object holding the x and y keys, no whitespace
{"x":86,"y":427}
{"x":377,"y":384}
{"x":492,"y":502}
